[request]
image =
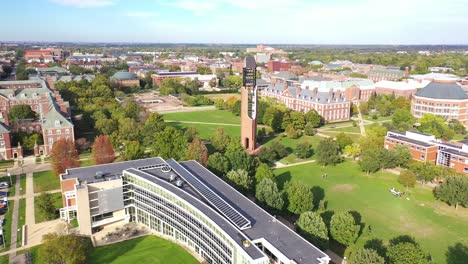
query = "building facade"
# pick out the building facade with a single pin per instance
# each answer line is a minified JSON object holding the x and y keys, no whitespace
{"x":277,"y":65}
{"x":125,"y":79}
{"x":426,"y":148}
{"x":53,"y":112}
{"x":186,"y":203}
{"x":406,"y":88}
{"x":442,"y":98}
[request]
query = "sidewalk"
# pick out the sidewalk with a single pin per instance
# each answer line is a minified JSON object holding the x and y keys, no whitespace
{"x":14,"y":220}
{"x":30,"y":218}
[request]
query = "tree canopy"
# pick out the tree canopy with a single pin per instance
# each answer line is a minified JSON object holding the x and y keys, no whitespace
{"x":454,"y":191}
{"x":311,"y":227}
{"x":63,"y":249}
{"x":300,"y":198}
{"x":328,"y":152}
{"x":267,"y":192}
{"x":19,"y":112}
{"x":64,"y":156}
{"x":169,"y":143}
{"x":343,"y":228}
{"x":102,"y":151}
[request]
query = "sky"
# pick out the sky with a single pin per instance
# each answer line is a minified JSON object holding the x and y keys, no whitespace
{"x":390,"y":22}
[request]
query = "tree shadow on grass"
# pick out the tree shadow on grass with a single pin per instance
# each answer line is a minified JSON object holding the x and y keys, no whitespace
{"x":326,"y":216}
{"x":377,"y":245}
{"x":358,"y":219}
{"x":282,"y":179}
{"x":403,"y":239}
{"x":319,"y":195}
{"x":457,"y":254}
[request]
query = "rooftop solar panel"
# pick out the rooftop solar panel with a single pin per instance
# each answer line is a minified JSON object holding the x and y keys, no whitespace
{"x":221,"y":205}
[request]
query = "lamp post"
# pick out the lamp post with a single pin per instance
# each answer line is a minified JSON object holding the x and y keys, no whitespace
{"x":9,"y":175}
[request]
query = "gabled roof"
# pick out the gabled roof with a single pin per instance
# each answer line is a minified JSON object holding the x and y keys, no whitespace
{"x":449,"y":91}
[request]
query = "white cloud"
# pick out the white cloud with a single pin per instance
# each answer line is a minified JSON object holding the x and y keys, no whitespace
{"x":84,"y":3}
{"x":197,"y":7}
{"x":141,"y":14}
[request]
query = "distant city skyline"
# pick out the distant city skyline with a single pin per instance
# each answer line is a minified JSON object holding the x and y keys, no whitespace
{"x":395,"y":22}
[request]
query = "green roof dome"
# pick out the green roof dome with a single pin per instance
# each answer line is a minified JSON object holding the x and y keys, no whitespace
{"x":124,"y":75}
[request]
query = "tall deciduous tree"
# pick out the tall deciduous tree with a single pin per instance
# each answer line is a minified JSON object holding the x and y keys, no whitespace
{"x":364,"y":255}
{"x":197,"y":151}
{"x":21,"y":111}
{"x":353,"y":150}
{"x":218,"y":164}
{"x":263,"y":172}
{"x":312,"y":227}
{"x":343,"y":140}
{"x":64,"y":249}
{"x":241,"y":179}
{"x":45,"y":204}
{"x":343,"y":228}
{"x":219,"y":140}
{"x":454,"y":191}
{"x":267,"y":192}
{"x":328,"y":152}
{"x":102,"y":151}
{"x":169,"y":143}
{"x":133,"y":150}
{"x":313,"y":118}
{"x":64,"y":156}
{"x":300,"y":198}
{"x":303,"y":150}
{"x":405,"y":252}
{"x":154,"y":124}
{"x":407,"y":178}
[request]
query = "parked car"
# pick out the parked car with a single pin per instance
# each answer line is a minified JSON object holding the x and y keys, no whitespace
{"x":2,"y":221}
{"x":3,"y":194}
{"x":4,"y":185}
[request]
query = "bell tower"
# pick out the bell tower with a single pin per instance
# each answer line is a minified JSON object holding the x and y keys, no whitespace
{"x":249,"y":105}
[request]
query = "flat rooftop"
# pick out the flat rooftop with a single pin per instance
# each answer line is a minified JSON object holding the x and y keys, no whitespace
{"x":402,"y":137}
{"x":263,"y":225}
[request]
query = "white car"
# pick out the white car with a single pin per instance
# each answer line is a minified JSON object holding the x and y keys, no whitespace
{"x":4,"y":185}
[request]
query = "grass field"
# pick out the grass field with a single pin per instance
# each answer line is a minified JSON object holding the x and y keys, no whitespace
{"x":223,"y":96}
{"x":21,"y":221}
{"x":345,"y":129}
{"x":4,"y":259}
{"x":354,"y":137}
{"x":379,"y":117}
{"x":209,"y":116}
{"x":85,"y":163}
{"x":45,"y":181}
{"x":7,"y":226}
{"x":206,"y":131}
{"x":434,"y":225}
{"x":291,"y":145}
{"x":23,"y":184}
{"x":148,"y":249}
{"x":57,"y":198}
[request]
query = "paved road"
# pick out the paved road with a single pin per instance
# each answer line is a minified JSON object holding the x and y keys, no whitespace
{"x":187,"y":109}
{"x":282,"y":165}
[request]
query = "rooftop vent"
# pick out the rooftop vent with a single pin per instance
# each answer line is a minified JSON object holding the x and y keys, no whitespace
{"x":166,"y":169}
{"x":172,"y":177}
{"x":179,"y":183}
{"x":99,"y":175}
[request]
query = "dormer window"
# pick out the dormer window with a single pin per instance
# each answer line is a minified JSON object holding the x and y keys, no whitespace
{"x":57,"y":123}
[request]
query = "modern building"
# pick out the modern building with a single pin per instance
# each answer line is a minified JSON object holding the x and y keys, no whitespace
{"x":405,"y":88}
{"x":125,"y":79}
{"x":186,"y":203}
{"x":53,"y":123}
{"x":426,"y":148}
{"x":444,"y":98}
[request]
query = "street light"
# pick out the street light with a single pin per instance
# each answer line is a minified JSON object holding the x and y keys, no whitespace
{"x":9,"y":175}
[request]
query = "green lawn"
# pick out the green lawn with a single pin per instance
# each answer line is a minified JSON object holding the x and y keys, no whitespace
{"x":23,"y":184}
{"x":434,"y":225}
{"x":379,"y":117}
{"x":57,"y":198}
{"x":7,"y":226}
{"x":148,"y":249}
{"x":45,"y":181}
{"x":206,"y":131}
{"x":21,"y":221}
{"x":291,"y":145}
{"x":341,"y":123}
{"x":4,"y":259}
{"x":354,"y":137}
{"x":85,"y":163}
{"x":210,"y":116}
{"x":345,"y":129}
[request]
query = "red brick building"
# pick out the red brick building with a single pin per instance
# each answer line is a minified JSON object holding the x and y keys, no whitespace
{"x":42,"y":56}
{"x":125,"y":79}
{"x":426,"y":148}
{"x":54,"y":116}
{"x":277,"y":65}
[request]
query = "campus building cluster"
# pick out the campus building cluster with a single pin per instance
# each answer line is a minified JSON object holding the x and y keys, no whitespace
{"x":53,"y":120}
{"x":426,"y":148}
{"x":186,"y":203}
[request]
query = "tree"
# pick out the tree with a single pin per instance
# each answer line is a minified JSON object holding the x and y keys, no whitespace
{"x":343,"y":140}
{"x":191,"y":133}
{"x":309,"y":129}
{"x":407,"y":178}
{"x":300,"y":198}
{"x":279,"y":149}
{"x":457,"y":126}
{"x":263,"y":172}
{"x":303,"y":150}
{"x":313,"y":118}
{"x":197,"y":151}
{"x":353,"y":150}
{"x":454,"y":191}
{"x":405,"y":252}
{"x":218,"y":164}
{"x":267,"y":155}
{"x":204,"y":70}
{"x":64,"y":249}
{"x":296,"y":120}
{"x":425,"y":171}
{"x":45,"y":204}
{"x":343,"y":228}
{"x":106,"y":126}
{"x":364,"y":255}
{"x":401,"y":155}
{"x":240,"y":178}
{"x":102,"y":151}
{"x":402,"y":119}
{"x":169,"y":143}
{"x":328,"y":152}
{"x":273,"y":117}
{"x":129,"y":129}
{"x":311,"y":227}
{"x":232,"y":82}
{"x":267,"y":192}
{"x":82,"y":144}
{"x":241,"y":160}
{"x":292,"y":132}
{"x":368,"y":161}
{"x":154,"y":124}
{"x":19,"y":112}
{"x":63,"y":156}
{"x":219,"y":140}
{"x":435,"y":125}
{"x":133,"y":150}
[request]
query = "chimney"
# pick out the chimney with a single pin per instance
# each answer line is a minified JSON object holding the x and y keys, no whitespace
{"x":315,"y":92}
{"x":331,"y":93}
{"x":307,"y":87}
{"x":285,"y":85}
{"x":406,"y":71}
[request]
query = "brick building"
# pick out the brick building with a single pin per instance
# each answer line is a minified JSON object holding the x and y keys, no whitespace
{"x":444,"y":98}
{"x":125,"y":79}
{"x":42,"y":56}
{"x":203,"y":78}
{"x":426,"y":148}
{"x":276,"y":65}
{"x":405,"y":88}
{"x":54,"y":115}
{"x":387,"y":74}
